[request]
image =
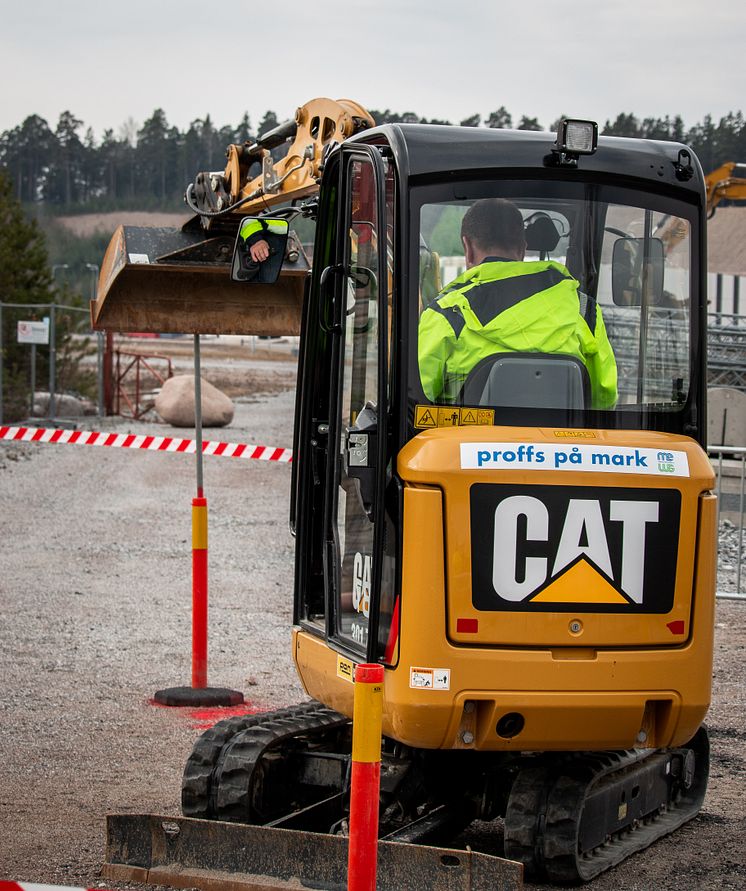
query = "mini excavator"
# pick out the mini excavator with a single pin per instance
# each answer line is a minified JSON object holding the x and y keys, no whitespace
{"x":535,"y":574}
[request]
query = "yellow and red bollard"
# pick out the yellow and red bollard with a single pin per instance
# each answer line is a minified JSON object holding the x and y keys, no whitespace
{"x":199,"y":592}
{"x":199,"y":694}
{"x":366,"y":778}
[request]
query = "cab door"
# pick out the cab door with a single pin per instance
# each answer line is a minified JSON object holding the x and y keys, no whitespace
{"x":342,"y":407}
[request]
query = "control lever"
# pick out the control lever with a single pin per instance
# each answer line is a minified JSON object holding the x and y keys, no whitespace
{"x":361,"y":447}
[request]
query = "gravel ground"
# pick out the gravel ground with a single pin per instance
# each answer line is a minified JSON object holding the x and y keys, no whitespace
{"x":95,"y":605}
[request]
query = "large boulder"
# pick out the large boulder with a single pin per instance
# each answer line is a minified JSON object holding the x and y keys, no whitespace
{"x":65,"y":406}
{"x":175,"y":403}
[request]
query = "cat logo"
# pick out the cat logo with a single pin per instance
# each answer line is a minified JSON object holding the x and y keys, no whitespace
{"x":563,"y":548}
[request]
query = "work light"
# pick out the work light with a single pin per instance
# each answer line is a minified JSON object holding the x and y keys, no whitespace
{"x":577,"y":137}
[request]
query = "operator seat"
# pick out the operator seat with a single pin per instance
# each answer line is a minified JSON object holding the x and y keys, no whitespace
{"x":528,"y":380}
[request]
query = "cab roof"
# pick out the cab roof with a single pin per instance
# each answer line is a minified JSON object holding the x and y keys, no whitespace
{"x":425,"y":150}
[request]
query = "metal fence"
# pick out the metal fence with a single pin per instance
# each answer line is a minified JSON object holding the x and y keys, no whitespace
{"x":52,"y":311}
{"x":726,"y":351}
{"x":729,"y":463}
{"x":136,"y":378}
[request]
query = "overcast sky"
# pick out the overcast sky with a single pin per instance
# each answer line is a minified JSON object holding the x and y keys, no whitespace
{"x":108,"y":62}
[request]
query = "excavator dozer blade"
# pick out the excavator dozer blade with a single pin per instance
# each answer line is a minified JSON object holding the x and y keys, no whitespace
{"x":182,"y":852}
{"x":160,"y":280}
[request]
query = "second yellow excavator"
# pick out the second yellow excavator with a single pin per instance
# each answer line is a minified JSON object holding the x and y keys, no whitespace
{"x":727,"y":183}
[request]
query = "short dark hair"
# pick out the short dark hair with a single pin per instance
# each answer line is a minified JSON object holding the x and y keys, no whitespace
{"x":494,"y":223}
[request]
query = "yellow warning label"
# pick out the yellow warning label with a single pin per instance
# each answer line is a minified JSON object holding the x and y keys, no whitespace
{"x":428,"y":416}
{"x":425,"y":416}
{"x":345,"y":669}
{"x":448,"y":417}
{"x":575,"y":434}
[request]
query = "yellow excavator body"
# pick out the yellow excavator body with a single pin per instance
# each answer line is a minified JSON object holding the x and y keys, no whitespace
{"x":575,"y":681}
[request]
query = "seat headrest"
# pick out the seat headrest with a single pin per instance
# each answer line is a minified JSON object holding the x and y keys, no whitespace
{"x":541,"y":233}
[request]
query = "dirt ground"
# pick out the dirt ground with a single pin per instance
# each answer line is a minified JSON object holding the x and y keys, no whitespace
{"x":86,"y":224}
{"x":95,"y":605}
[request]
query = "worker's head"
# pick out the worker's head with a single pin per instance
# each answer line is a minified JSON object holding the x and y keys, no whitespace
{"x":492,"y":227}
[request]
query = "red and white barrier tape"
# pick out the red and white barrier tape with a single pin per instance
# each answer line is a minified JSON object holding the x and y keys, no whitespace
{"x":150,"y":443}
{"x":33,"y":886}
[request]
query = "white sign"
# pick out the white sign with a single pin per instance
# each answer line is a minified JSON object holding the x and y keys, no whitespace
{"x":589,"y":458}
{"x":139,"y":258}
{"x":33,"y":332}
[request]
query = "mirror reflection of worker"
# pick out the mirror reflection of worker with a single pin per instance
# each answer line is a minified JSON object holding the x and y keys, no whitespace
{"x":255,"y":233}
{"x":502,"y":304}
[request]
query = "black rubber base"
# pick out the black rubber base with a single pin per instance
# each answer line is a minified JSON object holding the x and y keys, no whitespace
{"x":198,"y":696}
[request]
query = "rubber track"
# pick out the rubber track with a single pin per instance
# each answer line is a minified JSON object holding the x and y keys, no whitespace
{"x":236,"y":775}
{"x":546,"y":805}
{"x":198,"y":782}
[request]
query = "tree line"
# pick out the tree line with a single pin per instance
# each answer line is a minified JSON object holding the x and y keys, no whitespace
{"x":67,"y":169}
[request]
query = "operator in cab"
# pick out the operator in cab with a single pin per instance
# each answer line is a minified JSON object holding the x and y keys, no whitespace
{"x":502,"y":304}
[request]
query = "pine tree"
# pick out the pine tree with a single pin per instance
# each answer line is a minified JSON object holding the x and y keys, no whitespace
{"x":527,"y":123}
{"x":26,"y":151}
{"x":501,"y":119}
{"x":243,"y":131}
{"x":624,"y":125}
{"x":267,"y":123}
{"x":473,"y":120}
{"x":66,"y":167}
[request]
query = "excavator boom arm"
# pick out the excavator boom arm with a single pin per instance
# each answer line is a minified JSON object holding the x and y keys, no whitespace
{"x":178,"y":280}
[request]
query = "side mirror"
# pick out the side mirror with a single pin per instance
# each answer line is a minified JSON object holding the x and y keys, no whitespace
{"x":637,"y":266}
{"x":259,"y":250}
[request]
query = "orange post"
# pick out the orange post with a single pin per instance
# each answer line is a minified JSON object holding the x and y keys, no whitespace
{"x":199,"y":592}
{"x":366,"y":778}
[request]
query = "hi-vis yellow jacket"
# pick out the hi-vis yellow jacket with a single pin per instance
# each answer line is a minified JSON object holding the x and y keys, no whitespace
{"x":254,"y":229}
{"x":504,"y":306}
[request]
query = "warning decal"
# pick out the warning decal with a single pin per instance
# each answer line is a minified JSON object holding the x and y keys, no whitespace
{"x":430,"y":416}
{"x":425,"y":416}
{"x":449,"y":417}
{"x":430,"y":678}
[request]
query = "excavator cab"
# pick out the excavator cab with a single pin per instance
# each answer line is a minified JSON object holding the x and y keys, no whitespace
{"x":536,"y":574}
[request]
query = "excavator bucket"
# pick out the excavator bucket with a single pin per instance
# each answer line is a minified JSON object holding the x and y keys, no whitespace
{"x":182,"y":852}
{"x":161,"y":280}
